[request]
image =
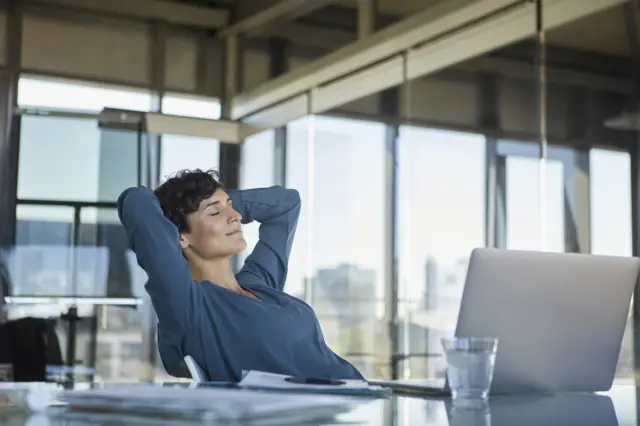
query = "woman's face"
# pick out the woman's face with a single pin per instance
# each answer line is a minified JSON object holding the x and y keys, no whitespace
{"x":214,"y":229}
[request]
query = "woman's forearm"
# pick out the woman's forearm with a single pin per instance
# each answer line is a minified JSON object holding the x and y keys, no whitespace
{"x":277,"y":209}
{"x":266,"y":204}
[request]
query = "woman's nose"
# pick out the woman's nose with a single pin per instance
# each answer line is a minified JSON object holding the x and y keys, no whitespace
{"x":234,"y":216}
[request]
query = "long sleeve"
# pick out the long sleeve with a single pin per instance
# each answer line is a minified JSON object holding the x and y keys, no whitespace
{"x":154,"y":239}
{"x":277,"y":209}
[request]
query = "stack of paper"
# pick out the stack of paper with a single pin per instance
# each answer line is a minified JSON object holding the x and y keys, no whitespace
{"x":212,"y":404}
{"x":270,"y":381}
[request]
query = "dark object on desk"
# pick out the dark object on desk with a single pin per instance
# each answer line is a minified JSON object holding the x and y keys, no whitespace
{"x":29,"y":344}
{"x":314,"y":381}
{"x":5,"y":285}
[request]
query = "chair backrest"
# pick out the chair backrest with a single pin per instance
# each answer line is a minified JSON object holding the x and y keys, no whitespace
{"x":197,"y":373}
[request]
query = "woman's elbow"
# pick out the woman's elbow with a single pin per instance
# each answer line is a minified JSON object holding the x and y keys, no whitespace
{"x":293,"y":197}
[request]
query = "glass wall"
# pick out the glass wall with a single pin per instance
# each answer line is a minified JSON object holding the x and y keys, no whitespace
{"x":480,"y":163}
{"x":337,"y":261}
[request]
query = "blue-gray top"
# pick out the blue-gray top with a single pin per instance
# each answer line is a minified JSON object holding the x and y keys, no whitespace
{"x":224,"y":331}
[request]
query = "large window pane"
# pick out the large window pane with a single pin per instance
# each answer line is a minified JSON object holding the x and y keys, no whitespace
{"x":524,"y":227}
{"x":70,"y":95}
{"x":187,"y":152}
{"x":103,"y":162}
{"x":610,"y":184}
{"x":257,"y":171}
{"x":337,"y":262}
{"x":611,"y":233}
{"x":441,"y":220}
{"x":48,"y":145}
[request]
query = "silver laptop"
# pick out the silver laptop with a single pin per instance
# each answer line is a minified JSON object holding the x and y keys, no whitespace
{"x":560,"y":318}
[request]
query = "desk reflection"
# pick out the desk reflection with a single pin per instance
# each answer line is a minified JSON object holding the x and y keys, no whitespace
{"x":562,"y":410}
{"x":566,"y":410}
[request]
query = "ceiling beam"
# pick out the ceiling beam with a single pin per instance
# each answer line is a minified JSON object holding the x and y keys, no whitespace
{"x":437,"y":40}
{"x":282,"y":11}
{"x":164,"y":124}
{"x":172,"y":12}
{"x":327,"y":40}
{"x":432,"y":22}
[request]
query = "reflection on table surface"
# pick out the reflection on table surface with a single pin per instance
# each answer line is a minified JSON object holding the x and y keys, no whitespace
{"x":617,"y":407}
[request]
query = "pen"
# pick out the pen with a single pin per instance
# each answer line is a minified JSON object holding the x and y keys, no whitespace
{"x":314,"y":381}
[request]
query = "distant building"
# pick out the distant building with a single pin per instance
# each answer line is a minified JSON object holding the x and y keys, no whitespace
{"x":344,"y":299}
{"x":346,"y":292}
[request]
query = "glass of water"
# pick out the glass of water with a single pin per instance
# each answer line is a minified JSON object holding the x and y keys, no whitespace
{"x":470,"y":363}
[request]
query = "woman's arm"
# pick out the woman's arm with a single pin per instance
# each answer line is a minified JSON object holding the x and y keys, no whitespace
{"x":277,"y":209}
{"x":154,"y":239}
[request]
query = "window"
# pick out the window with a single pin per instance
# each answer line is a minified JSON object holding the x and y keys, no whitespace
{"x":610,"y":194}
{"x":524,"y":227}
{"x":611,"y":233}
{"x":337,"y":261}
{"x":441,"y":219}
{"x":65,"y":159}
{"x":257,"y":171}
{"x":76,"y":96}
{"x":187,"y":152}
{"x":70,"y":159}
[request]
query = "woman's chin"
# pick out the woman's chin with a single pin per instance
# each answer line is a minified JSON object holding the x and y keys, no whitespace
{"x":242,"y":246}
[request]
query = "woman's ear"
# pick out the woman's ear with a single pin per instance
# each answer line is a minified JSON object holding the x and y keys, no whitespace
{"x":184,"y":241}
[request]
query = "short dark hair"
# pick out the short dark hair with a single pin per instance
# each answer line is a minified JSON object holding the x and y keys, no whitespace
{"x":181,"y":194}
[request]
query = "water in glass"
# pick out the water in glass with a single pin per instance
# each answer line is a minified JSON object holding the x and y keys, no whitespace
{"x":470,"y":364}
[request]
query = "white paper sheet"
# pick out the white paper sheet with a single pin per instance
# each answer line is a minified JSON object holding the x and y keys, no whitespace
{"x":259,"y":379}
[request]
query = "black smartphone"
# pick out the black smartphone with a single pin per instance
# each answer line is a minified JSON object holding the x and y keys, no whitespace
{"x":314,"y":381}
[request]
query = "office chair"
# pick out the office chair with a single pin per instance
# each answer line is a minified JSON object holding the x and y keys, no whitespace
{"x":198,"y":375}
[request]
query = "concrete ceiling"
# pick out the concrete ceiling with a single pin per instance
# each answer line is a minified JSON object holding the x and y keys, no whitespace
{"x":603,"y":33}
{"x":402,"y":8}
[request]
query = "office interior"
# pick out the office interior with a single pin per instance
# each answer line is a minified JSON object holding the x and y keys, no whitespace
{"x":414,"y":130}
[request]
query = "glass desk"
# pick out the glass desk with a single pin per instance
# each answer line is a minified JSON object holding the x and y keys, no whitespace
{"x":617,"y":407}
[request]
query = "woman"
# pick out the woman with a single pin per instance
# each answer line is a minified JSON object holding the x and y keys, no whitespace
{"x":184,"y":234}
